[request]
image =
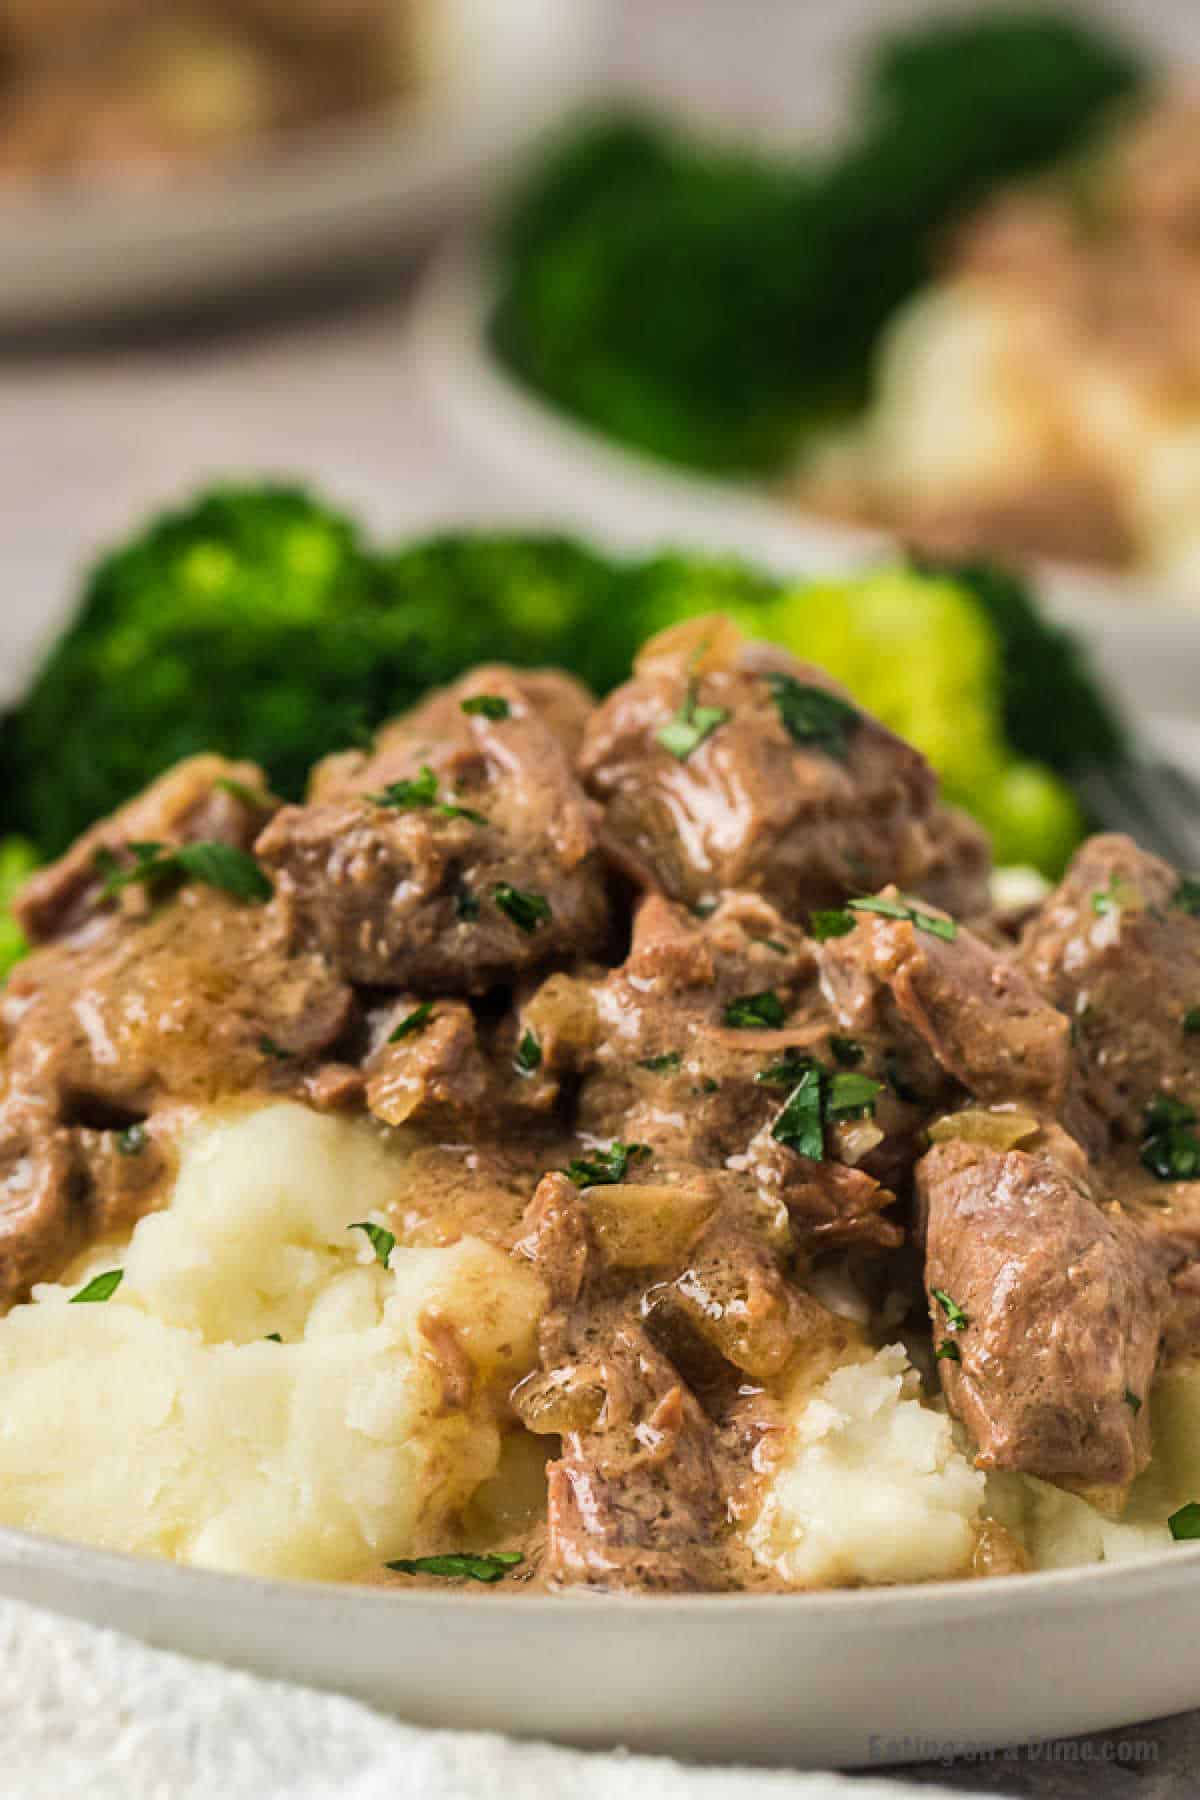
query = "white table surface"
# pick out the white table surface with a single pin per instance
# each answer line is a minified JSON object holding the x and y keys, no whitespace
{"x":92,"y":436}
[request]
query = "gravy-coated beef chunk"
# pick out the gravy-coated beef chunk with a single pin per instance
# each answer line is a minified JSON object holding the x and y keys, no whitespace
{"x":1045,"y":1311}
{"x":912,"y":972}
{"x":202,"y":799}
{"x":727,"y":764}
{"x":460,"y":853}
{"x":1117,"y":949}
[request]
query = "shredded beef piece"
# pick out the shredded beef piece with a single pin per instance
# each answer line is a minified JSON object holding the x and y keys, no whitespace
{"x":398,"y":893}
{"x":805,"y":816}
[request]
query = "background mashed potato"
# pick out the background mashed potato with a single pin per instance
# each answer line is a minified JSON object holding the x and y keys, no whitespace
{"x":166,"y":1419}
{"x":873,"y":1487}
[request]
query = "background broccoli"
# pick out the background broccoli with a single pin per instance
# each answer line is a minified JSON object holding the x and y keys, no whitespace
{"x":18,"y":860}
{"x":713,"y":307}
{"x":259,"y":623}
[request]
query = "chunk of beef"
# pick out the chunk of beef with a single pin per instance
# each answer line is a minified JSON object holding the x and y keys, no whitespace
{"x":969,"y":1005}
{"x":1118,"y":956}
{"x":493,"y":872}
{"x":1062,"y":1312}
{"x":428,"y":1068}
{"x":767,"y":779}
{"x":202,"y":798}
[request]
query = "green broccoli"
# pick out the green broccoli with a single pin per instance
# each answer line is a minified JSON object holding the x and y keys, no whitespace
{"x":713,"y":307}
{"x":259,"y":623}
{"x":18,"y":860}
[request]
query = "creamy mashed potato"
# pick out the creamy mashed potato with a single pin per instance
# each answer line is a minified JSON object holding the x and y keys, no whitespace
{"x":166,"y":1420}
{"x":873,"y":1487}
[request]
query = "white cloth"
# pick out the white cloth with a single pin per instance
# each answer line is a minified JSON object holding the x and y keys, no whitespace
{"x":91,"y":1713}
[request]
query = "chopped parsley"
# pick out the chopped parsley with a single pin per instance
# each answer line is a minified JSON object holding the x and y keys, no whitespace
{"x":1170,"y":1148}
{"x":661,"y":1065}
{"x":775,"y":945}
{"x":275,"y":1051}
{"x":813,"y":716}
{"x":605,"y":1168}
{"x":133,"y":1140}
{"x":948,"y":1351}
{"x":956,"y":1318}
{"x":529,"y":1055}
{"x":755,"y":1011}
{"x":487,"y":706}
{"x":933,"y":923}
{"x":852,"y":1096}
{"x":101,"y":1287}
{"x":466,"y":904}
{"x":1187,"y":896}
{"x":787,"y":1071}
{"x":259,"y":802}
{"x":800,"y":1125}
{"x":1134,"y":1401}
{"x":382,"y":1242}
{"x":412,"y":1022}
{"x":846,"y":1050}
{"x":830,"y":922}
{"x":490,"y":1565}
{"x":1191,"y":1021}
{"x":1185,"y":1523}
{"x":526,"y":909}
{"x":690,"y":726}
{"x":422,"y":791}
{"x":1109,"y":899}
{"x":272,"y":1337}
{"x":704,"y":909}
{"x":160,"y":866}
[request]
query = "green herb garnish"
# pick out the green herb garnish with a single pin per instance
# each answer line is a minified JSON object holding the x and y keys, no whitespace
{"x":813,"y":716}
{"x":799,"y":1126}
{"x":258,"y":802}
{"x":690,"y":726}
{"x":275,"y":1051}
{"x":956,"y":1318}
{"x":1191,"y":1021}
{"x":101,"y":1287}
{"x":529,"y":1055}
{"x":911,"y":914}
{"x":948,"y":1351}
{"x":219,"y":865}
{"x":466,"y":904}
{"x":830,"y":922}
{"x":133,"y":1140}
{"x":1185,"y":1523}
{"x":660,"y":1065}
{"x":1187,"y":896}
{"x":491,"y":1565}
{"x":422,"y":792}
{"x":272,"y":1337}
{"x":412,"y":1022}
{"x":605,"y":1168}
{"x":846,"y":1050}
{"x":527,"y":910}
{"x":1170,"y":1148}
{"x":1134,"y":1401}
{"x":787,"y":1071}
{"x":852,"y":1096}
{"x":756,"y":1011}
{"x":487,"y":706}
{"x":382,"y":1242}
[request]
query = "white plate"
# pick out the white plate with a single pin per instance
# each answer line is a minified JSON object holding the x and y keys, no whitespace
{"x":822,"y":1679}
{"x":500,"y":71}
{"x":1147,"y":648}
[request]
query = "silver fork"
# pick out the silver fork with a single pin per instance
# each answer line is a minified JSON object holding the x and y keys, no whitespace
{"x":1151,"y":800}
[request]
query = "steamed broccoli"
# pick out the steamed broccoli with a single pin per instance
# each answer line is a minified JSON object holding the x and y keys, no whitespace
{"x":18,"y":860}
{"x":257,"y":622}
{"x":713,"y":307}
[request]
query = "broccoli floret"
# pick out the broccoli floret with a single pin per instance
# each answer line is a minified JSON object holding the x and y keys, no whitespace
{"x":18,"y":860}
{"x":713,"y":307}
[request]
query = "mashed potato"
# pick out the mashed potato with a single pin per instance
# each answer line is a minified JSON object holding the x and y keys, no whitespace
{"x":873,"y":1487}
{"x":168,"y":1420}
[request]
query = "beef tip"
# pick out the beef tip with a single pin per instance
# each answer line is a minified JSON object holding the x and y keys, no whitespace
{"x":200,"y":999}
{"x":969,"y":1005}
{"x":41,"y":1219}
{"x":725,"y":764}
{"x":1115,"y":951}
{"x":1057,"y":1310}
{"x":427,"y":1065}
{"x":125,"y":1172}
{"x":460,"y":853}
{"x":203,"y":798}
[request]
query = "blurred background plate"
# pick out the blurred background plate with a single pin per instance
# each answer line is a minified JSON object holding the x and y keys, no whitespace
{"x":497,"y":73}
{"x":571,"y":476}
